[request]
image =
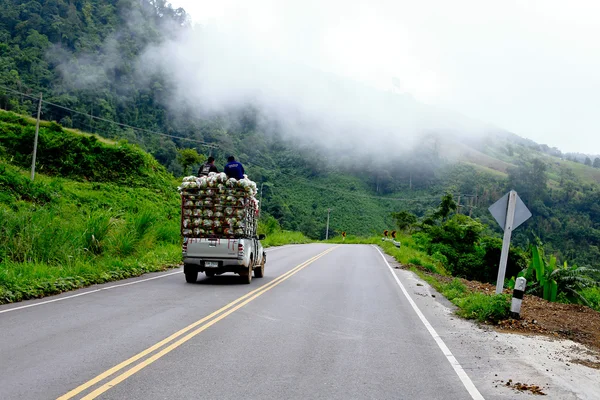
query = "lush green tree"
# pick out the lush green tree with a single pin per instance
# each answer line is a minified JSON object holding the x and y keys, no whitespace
{"x":447,"y":206}
{"x":188,"y":158}
{"x":404,"y":220}
{"x":588,"y":161}
{"x":596,"y":162}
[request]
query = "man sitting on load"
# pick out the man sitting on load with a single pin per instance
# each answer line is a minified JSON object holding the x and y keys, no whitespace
{"x":208,"y":167}
{"x":234,"y":169}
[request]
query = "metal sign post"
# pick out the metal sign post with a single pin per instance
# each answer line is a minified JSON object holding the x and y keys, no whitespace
{"x":508,"y":228}
{"x":510,"y":212}
{"x":35,"y":140}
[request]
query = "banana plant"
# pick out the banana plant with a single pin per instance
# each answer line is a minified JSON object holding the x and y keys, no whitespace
{"x":573,"y":279}
{"x":542,"y":271}
{"x":547,"y":278}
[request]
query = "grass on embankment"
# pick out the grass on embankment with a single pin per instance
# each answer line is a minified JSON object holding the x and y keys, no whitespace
{"x":58,"y":234}
{"x":282,"y":238}
{"x":471,"y":305}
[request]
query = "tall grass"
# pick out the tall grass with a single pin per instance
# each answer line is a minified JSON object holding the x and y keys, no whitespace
{"x":97,"y":229}
{"x":285,"y":237}
{"x":82,"y":233}
{"x":275,"y":236}
{"x":143,"y":221}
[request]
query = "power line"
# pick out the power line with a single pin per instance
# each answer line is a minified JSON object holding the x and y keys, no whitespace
{"x":206,"y":144}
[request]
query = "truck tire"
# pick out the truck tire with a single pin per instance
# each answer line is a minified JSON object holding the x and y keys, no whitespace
{"x":246,"y":275}
{"x":191,"y":276}
{"x":259,"y":271}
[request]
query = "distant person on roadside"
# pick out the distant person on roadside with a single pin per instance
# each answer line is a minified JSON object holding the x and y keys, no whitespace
{"x":208,"y":167}
{"x":234,"y":169}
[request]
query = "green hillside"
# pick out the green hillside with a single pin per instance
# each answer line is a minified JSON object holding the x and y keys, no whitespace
{"x":96,"y":212}
{"x":58,"y":47}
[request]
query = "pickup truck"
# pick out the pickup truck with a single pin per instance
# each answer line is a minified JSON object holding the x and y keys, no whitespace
{"x":215,"y":256}
{"x":219,"y":221}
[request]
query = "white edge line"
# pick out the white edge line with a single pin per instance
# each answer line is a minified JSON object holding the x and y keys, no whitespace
{"x":449,"y":356}
{"x":88,"y":292}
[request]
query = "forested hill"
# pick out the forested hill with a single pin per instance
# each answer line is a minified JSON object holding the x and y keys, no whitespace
{"x":83,"y":55}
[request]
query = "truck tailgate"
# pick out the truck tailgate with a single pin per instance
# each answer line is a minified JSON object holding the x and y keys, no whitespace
{"x":211,"y":248}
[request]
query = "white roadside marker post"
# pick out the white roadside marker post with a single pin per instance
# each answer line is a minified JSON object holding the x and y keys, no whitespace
{"x":517,"y":299}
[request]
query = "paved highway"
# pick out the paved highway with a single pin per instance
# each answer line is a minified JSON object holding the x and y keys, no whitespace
{"x":326,"y":322}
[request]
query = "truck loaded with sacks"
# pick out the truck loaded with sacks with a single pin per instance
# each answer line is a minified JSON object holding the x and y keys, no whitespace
{"x":219,"y":220}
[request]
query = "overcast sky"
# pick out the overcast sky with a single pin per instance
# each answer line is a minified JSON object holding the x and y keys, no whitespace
{"x":532,"y":67}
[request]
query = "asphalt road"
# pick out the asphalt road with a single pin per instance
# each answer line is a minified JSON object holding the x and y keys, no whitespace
{"x":338,"y":327}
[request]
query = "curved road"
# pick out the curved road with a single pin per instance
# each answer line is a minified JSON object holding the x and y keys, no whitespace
{"x":326,"y":322}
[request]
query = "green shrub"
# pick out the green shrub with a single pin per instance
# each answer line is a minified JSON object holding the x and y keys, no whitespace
{"x":415,"y":261}
{"x":452,"y":290}
{"x":430,"y":267}
{"x":484,"y":308}
{"x":268,"y":225}
{"x":592,"y":296}
{"x":15,"y":186}
{"x":459,"y":244}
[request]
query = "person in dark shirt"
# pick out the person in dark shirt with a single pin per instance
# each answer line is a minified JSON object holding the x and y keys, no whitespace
{"x":208,"y":167}
{"x":234,"y":169}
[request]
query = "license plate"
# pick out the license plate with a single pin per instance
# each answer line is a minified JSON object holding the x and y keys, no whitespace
{"x":211,"y":264}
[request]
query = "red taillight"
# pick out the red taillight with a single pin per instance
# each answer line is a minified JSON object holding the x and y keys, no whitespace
{"x":240,"y":250}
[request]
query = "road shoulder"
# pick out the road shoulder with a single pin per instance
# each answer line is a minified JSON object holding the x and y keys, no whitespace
{"x":492,"y":359}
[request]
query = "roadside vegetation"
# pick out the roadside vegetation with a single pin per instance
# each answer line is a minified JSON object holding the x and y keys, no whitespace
{"x":301,"y":180}
{"x":275,"y":236}
{"x":471,"y":305}
{"x":97,"y":211}
{"x":462,"y":244}
{"x":444,"y":247}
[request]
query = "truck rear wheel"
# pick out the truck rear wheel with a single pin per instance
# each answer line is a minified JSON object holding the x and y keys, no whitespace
{"x":259,"y":271}
{"x":246,"y":275}
{"x":191,"y":276}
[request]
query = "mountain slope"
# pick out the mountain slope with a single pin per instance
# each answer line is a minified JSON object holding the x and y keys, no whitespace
{"x":79,"y":225}
{"x":84,"y":56}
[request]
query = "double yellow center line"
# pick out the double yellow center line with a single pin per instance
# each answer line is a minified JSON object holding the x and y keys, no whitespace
{"x":200,"y":326}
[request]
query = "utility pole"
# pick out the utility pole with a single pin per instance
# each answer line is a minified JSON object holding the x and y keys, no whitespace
{"x":260,"y":201}
{"x":471,"y":201}
{"x":35,"y":141}
{"x":92,"y":117}
{"x":327,"y":231}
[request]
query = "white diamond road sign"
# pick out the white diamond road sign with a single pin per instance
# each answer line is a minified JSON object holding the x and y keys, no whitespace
{"x":499,"y":208}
